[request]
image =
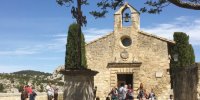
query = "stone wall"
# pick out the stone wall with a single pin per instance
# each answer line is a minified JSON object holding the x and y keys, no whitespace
{"x":153,"y":53}
{"x":78,"y":84}
{"x":150,"y":51}
{"x":185,"y":80}
{"x":98,"y":55}
{"x":16,"y":96}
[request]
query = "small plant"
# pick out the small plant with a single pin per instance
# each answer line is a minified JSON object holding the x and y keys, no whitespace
{"x":1,"y":87}
{"x":41,"y":88}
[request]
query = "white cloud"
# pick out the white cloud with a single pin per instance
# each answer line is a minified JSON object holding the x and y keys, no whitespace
{"x":190,"y":26}
{"x":89,"y":33}
{"x":60,"y":35}
{"x":183,"y":18}
{"x":56,"y":44}
{"x":19,"y":51}
{"x":94,"y":33}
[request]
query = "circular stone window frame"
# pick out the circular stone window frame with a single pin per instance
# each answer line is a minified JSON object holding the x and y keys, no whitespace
{"x":126,"y":37}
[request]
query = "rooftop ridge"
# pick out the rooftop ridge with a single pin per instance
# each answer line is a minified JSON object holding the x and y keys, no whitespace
{"x":158,"y":37}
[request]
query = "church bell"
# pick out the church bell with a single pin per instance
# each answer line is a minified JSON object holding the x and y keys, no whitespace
{"x":127,"y":17}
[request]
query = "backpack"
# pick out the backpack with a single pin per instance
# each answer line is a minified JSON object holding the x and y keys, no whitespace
{"x":129,"y":93}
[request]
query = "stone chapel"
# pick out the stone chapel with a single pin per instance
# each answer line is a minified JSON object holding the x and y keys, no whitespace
{"x":131,"y":56}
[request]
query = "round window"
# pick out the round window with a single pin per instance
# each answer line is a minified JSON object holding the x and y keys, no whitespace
{"x":126,"y":41}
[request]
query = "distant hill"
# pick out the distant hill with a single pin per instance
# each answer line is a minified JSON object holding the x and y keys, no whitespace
{"x":13,"y":82}
{"x":31,"y":72}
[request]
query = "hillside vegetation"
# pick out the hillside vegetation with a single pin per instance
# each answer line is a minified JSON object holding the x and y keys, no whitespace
{"x":31,"y":72}
{"x":12,"y":82}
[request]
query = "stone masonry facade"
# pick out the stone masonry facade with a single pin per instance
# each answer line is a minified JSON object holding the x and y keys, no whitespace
{"x":128,"y":50}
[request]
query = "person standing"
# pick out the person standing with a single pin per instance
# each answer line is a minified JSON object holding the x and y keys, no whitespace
{"x":55,"y":88}
{"x":145,"y":96}
{"x":50,"y":92}
{"x":24,"y":94}
{"x":171,"y":97}
{"x":33,"y":94}
{"x":122,"y":92}
{"x":141,"y":93}
{"x":130,"y":92}
{"x":95,"y":91}
{"x":29,"y":89}
{"x":114,"y":94}
{"x":152,"y":95}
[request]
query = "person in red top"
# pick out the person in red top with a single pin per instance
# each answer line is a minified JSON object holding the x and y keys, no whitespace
{"x":24,"y":93}
{"x":29,"y":89}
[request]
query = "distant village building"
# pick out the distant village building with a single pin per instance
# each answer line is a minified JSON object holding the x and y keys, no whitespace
{"x":131,"y":56}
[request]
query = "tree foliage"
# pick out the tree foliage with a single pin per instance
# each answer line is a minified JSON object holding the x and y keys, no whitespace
{"x":83,"y":52}
{"x":31,"y":72}
{"x":183,"y":49}
{"x":192,"y":55}
{"x":152,"y":6}
{"x":72,"y":50}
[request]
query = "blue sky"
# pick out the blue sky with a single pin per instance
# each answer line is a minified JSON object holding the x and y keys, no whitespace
{"x":33,"y":32}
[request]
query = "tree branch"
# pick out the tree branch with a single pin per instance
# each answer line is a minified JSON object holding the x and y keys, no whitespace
{"x":187,"y":5}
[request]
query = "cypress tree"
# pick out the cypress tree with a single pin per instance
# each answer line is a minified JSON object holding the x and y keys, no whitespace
{"x":72,"y":49}
{"x":183,"y":49}
{"x":192,"y":55}
{"x":83,"y":56}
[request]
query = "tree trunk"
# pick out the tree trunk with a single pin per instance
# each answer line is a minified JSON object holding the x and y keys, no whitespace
{"x":79,"y":22}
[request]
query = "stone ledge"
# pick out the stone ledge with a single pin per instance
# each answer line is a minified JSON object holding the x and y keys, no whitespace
{"x":76,"y":72}
{"x":127,"y":65}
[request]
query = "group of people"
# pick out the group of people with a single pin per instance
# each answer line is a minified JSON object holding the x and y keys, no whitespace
{"x":143,"y":95}
{"x":52,"y":92}
{"x":28,"y":92}
{"x":125,"y":92}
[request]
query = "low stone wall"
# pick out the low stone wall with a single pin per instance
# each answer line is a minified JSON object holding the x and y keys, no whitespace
{"x":185,"y":80}
{"x":198,"y":86}
{"x":16,"y":96}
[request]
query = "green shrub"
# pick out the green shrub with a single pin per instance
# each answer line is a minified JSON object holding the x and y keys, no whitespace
{"x":184,"y":50}
{"x":72,"y":49}
{"x":1,"y":87}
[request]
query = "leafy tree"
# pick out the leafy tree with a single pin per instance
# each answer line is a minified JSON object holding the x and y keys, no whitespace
{"x":183,"y":49}
{"x":19,"y":87}
{"x":152,"y":6}
{"x":81,"y":20}
{"x":72,"y":50}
